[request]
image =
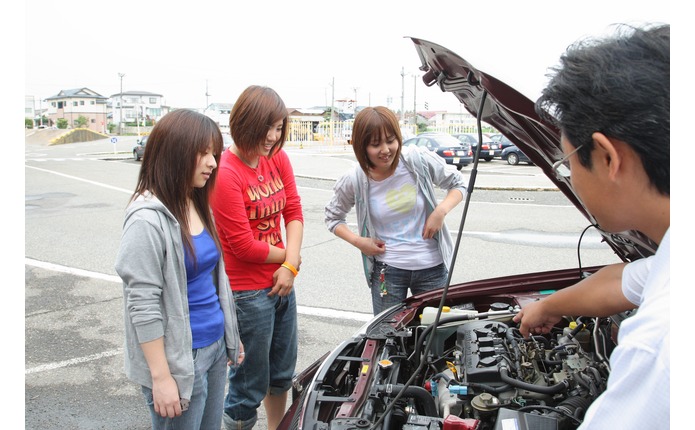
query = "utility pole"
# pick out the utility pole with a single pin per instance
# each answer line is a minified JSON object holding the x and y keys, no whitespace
{"x":402,"y":95}
{"x":206,"y":95}
{"x":332,"y":106}
{"x":120,"y":117}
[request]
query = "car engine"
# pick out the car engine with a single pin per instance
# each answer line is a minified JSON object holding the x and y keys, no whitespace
{"x":473,"y":371}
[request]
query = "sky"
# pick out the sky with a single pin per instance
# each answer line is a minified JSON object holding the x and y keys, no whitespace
{"x":311,"y":52}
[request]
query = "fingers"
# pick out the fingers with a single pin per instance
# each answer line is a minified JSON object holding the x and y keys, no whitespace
{"x":283,"y":286}
{"x":169,"y":410}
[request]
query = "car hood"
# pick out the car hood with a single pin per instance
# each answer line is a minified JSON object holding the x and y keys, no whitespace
{"x":514,"y":115}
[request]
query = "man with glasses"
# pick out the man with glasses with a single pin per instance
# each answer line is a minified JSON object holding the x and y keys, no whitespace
{"x":611,"y":100}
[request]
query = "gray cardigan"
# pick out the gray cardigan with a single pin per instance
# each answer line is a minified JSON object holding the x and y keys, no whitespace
{"x":352,"y":189}
{"x":151,"y":264}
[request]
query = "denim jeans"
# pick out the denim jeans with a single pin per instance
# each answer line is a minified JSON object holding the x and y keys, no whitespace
{"x":268,"y":329}
{"x":398,"y":281}
{"x":206,"y":403}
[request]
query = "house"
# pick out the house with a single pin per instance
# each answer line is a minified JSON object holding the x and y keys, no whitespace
{"x":219,"y":112}
{"x":79,"y":102}
{"x":143,"y":106}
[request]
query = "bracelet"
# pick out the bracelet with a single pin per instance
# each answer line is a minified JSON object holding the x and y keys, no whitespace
{"x":291,"y":268}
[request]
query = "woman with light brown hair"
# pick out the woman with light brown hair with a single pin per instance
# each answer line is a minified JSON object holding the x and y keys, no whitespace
{"x":404,"y":242}
{"x":255,"y":196}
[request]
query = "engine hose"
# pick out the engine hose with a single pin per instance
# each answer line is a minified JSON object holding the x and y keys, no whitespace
{"x":545,"y":341}
{"x":552,"y":389}
{"x":575,"y":406}
{"x":585,"y":381}
{"x":490,"y":388}
{"x":412,"y":391}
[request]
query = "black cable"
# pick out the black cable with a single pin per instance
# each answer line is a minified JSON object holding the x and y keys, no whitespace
{"x":579,"y":245}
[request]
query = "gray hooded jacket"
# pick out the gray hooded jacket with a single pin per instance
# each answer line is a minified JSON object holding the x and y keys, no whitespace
{"x":151,"y":264}
{"x":352,"y":189}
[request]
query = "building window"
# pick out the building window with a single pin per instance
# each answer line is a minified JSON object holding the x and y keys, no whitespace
{"x":153,"y":100}
{"x":91,"y":102}
{"x":94,"y":120}
{"x":81,"y":102}
{"x":74,"y":103}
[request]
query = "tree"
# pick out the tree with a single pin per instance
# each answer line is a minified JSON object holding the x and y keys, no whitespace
{"x":62,"y":123}
{"x":81,"y":122}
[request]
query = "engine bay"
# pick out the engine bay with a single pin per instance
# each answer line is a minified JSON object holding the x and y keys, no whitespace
{"x":473,"y":370}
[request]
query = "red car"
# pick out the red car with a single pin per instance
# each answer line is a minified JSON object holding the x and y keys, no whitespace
{"x":453,"y":358}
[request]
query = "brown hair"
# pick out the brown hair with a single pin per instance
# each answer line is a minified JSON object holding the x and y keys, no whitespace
{"x":369,"y":123}
{"x":256,"y":109}
{"x":169,"y":162}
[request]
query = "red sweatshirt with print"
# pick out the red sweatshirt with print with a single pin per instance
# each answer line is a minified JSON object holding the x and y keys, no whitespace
{"x":249,"y":206}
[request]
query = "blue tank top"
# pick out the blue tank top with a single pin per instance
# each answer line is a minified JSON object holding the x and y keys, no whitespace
{"x":207,"y":319}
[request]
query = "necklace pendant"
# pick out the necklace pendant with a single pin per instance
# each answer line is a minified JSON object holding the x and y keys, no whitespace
{"x":260,"y":178}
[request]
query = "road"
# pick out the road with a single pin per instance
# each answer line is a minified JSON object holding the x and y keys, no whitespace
{"x":75,"y":196}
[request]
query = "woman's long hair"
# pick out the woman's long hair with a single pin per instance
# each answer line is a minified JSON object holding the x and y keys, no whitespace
{"x":169,"y":162}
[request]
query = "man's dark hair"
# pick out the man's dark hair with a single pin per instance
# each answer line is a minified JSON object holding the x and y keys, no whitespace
{"x":618,"y":86}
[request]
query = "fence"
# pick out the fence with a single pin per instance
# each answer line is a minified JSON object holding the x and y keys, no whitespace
{"x":327,"y":137}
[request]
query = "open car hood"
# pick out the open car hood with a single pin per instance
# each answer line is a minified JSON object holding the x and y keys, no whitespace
{"x":514,"y":115}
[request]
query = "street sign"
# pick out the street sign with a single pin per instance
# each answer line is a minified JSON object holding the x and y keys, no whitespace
{"x":114,"y":139}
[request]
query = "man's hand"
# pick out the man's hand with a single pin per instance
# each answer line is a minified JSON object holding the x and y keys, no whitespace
{"x":535,"y":319}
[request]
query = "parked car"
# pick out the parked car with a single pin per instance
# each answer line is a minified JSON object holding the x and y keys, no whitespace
{"x":513,"y":155}
{"x":503,"y":141}
{"x":139,"y":148}
{"x":488,"y":150}
{"x":406,"y":133}
{"x":453,"y":357}
{"x":446,"y":146}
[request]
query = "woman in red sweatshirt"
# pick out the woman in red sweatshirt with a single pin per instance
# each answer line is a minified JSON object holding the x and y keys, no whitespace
{"x":254,"y":195}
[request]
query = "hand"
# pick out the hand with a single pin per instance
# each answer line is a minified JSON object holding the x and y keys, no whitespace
{"x":165,"y":396}
{"x":370,"y":247}
{"x":242,"y":354}
{"x":283,"y":281}
{"x":433,"y":224}
{"x":535,"y":320}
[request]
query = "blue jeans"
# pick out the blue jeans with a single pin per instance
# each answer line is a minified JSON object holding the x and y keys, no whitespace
{"x":398,"y":281}
{"x":206,"y":403}
{"x":268,"y":329}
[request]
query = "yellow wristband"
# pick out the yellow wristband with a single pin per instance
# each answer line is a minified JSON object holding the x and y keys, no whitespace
{"x":291,"y":268}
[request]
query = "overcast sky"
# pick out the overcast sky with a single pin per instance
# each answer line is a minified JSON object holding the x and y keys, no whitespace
{"x":300,"y":48}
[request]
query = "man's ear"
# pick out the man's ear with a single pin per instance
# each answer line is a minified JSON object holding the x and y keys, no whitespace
{"x":609,"y":154}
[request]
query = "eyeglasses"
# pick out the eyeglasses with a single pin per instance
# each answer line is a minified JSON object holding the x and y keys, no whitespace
{"x":562,"y":166}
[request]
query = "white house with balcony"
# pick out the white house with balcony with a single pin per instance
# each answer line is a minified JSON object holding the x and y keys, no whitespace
{"x":143,"y":106}
{"x":72,"y":104}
